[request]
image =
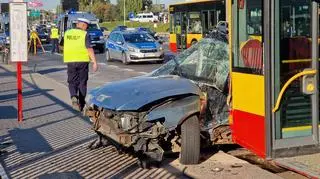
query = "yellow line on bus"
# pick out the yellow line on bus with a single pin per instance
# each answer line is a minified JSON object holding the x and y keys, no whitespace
{"x":300,"y":128}
{"x":297,"y":61}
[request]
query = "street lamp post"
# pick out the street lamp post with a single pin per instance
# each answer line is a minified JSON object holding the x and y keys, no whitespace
{"x":124,"y":12}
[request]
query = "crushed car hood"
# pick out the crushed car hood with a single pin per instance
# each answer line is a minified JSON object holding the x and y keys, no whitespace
{"x":133,"y":94}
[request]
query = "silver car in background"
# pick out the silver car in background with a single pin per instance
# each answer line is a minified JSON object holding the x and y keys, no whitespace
{"x":131,"y":45}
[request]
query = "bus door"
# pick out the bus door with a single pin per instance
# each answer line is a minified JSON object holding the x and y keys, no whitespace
{"x":181,"y":22}
{"x":295,"y":77}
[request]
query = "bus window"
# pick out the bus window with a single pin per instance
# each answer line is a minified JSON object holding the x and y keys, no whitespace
{"x":212,"y":20}
{"x":209,"y":20}
{"x":171,"y":23}
{"x":254,"y":21}
{"x":248,"y":56}
{"x":177,"y":23}
{"x":205,"y":20}
{"x":195,"y":26}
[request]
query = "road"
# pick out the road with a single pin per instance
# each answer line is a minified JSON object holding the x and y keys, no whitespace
{"x":52,"y":66}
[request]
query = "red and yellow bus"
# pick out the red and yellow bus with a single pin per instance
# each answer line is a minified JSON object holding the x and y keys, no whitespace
{"x":274,"y":60}
{"x":190,"y":21}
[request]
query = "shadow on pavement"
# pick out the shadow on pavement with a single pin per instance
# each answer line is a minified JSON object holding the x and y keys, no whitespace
{"x":63,"y":175}
{"x":8,"y":112}
{"x":29,"y":141}
{"x":51,"y":70}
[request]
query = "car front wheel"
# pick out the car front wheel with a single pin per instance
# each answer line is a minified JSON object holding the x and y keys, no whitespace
{"x":190,"y":141}
{"x":107,"y":55}
{"x":124,"y":58}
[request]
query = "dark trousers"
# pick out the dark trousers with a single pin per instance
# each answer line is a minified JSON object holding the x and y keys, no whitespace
{"x":78,"y":75}
{"x":55,"y":45}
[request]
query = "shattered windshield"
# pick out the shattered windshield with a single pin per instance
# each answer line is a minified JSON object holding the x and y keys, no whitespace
{"x":205,"y":62}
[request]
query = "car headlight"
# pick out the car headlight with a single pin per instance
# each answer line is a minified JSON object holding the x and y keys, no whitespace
{"x":127,"y":122}
{"x":160,"y":48}
{"x":132,"y":49}
{"x":101,"y":38}
{"x":8,"y":38}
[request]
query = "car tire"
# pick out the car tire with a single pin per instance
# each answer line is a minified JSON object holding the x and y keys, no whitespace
{"x":190,"y":141}
{"x":108,"y":59}
{"x":101,"y":50}
{"x":124,"y":58}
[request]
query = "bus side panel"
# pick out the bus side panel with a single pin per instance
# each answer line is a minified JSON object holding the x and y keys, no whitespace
{"x":248,"y":115}
{"x":248,"y":130}
{"x":173,"y":42}
{"x":193,"y":37}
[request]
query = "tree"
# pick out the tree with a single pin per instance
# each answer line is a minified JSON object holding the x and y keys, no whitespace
{"x":146,"y":3}
{"x":134,"y":6}
{"x":85,"y":5}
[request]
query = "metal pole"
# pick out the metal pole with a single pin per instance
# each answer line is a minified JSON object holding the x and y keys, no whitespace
{"x":124,"y":12}
{"x":90,"y":6}
{"x":19,"y":87}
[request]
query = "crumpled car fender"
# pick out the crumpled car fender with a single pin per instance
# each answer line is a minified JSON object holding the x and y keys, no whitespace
{"x":175,"y":112}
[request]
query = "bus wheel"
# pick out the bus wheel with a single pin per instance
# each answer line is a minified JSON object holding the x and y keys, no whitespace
{"x":190,"y":141}
{"x":193,"y":42}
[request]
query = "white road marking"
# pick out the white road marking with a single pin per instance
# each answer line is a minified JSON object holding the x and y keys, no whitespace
{"x":112,"y":66}
{"x":127,"y":69}
{"x":144,"y":73}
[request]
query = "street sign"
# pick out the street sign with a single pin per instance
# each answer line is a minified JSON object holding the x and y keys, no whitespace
{"x":34,"y":13}
{"x":18,"y":32}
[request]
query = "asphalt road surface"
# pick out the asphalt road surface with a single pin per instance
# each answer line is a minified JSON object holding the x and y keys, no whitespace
{"x":52,"y":66}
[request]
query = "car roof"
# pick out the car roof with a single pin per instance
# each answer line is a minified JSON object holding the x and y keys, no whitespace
{"x":130,"y":31}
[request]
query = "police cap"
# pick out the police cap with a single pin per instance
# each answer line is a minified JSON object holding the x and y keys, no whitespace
{"x":84,"y":20}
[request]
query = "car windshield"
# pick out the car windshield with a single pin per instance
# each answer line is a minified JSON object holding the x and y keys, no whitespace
{"x":138,"y":38}
{"x":93,"y":26}
{"x":90,"y":26}
{"x":205,"y":62}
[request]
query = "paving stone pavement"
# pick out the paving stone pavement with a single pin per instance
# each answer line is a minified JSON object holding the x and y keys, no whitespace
{"x":51,"y":141}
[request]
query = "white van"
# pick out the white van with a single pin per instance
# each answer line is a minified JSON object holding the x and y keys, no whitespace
{"x":145,"y":17}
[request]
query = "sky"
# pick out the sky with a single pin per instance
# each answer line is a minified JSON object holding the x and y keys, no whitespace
{"x":52,"y":4}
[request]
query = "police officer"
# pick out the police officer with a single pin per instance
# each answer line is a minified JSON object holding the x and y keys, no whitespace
{"x":77,"y":54}
{"x":54,"y":36}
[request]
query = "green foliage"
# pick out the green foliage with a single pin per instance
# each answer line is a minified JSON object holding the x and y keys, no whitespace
{"x":161,"y":26}
{"x":146,"y":3}
{"x":130,"y":6}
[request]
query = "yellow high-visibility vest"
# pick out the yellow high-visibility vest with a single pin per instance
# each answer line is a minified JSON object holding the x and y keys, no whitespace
{"x":75,"y":46}
{"x":54,"y":33}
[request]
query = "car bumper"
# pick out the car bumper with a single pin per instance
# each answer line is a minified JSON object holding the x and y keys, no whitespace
{"x":99,"y":42}
{"x":142,"y":57}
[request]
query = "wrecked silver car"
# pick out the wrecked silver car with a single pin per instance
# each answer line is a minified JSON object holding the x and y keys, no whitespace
{"x":175,"y":108}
